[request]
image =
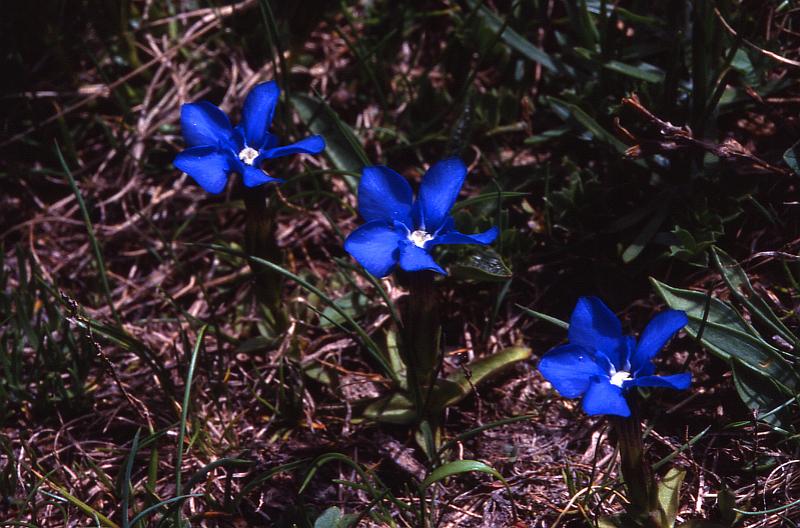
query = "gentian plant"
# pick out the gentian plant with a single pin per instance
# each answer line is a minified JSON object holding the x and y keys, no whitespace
{"x":604,"y":366}
{"x":400,"y":235}
{"x":403,"y":231}
{"x":216,"y":149}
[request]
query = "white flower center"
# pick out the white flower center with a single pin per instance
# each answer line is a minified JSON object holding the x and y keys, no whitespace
{"x":419,"y":237}
{"x":248,"y":155}
{"x":618,"y":378}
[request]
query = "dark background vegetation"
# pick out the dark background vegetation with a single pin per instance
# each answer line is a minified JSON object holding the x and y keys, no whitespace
{"x":531,"y":94}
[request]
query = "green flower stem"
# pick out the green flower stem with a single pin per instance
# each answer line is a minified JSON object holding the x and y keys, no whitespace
{"x":420,"y":336}
{"x":260,"y":242}
{"x":635,"y":471}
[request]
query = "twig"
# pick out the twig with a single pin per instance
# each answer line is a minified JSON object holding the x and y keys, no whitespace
{"x":767,"y":53}
{"x":680,"y":137}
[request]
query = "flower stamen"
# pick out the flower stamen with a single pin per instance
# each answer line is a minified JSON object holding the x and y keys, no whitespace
{"x":248,"y":155}
{"x":618,"y":378}
{"x":419,"y":237}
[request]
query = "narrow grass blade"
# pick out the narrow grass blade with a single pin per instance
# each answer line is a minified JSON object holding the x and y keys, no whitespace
{"x":371,"y":346}
{"x":478,"y":430}
{"x":343,"y":147}
{"x":85,"y":508}
{"x":339,"y":457}
{"x":487,"y":197}
{"x":544,"y":317}
{"x":147,"y":511}
{"x":262,"y":477}
{"x":98,"y":254}
{"x":692,"y":441}
{"x":184,"y":415}
{"x":126,"y":483}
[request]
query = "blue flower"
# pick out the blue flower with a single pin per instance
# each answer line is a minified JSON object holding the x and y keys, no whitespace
{"x":217,"y":149}
{"x":401,"y":230}
{"x":601,"y":364}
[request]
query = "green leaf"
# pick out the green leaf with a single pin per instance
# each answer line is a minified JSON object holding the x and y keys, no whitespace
{"x":516,"y":41}
{"x":487,"y":197}
{"x":429,"y":438}
{"x":547,"y":135}
{"x":330,"y":518}
{"x":320,"y":373}
{"x":740,"y":286}
{"x":394,"y":408}
{"x":647,"y":233}
{"x":643,"y":72}
{"x":488,"y":366}
{"x":726,"y":502}
{"x":482,"y":265}
{"x":458,"y":385}
{"x":589,"y":123}
{"x":757,"y":392}
{"x":458,"y":467}
{"x":668,"y":494}
{"x":397,"y":408}
{"x":395,"y":359}
{"x":725,"y":334}
{"x":636,"y":18}
{"x":792,"y":157}
{"x":341,"y":144}
{"x":353,"y":304}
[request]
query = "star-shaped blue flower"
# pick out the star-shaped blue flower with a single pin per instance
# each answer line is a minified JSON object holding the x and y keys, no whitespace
{"x":403,"y":231}
{"x":217,"y":149}
{"x":601,"y":364}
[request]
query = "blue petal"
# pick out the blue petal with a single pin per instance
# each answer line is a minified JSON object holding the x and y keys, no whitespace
{"x":309,"y":145}
{"x":648,"y":369}
{"x":252,"y":176}
{"x":676,"y":381}
{"x":570,"y":369}
{"x":604,"y":398}
{"x":203,"y":123}
{"x":438,"y":192}
{"x":415,"y":258}
{"x":384,"y":195}
{"x":454,"y":237}
{"x":209,"y":166}
{"x":658,"y":331}
{"x":375,"y":246}
{"x":259,"y":109}
{"x":595,"y":327}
